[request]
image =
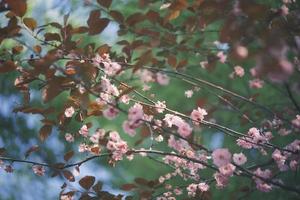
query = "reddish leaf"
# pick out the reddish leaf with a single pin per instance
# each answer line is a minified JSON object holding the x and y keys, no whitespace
{"x":105,"y":3}
{"x":31,"y":150}
{"x":17,"y":49}
{"x":95,"y":23}
{"x":68,"y":175}
{"x":128,"y":186}
{"x":97,"y":187}
{"x":116,"y":15}
{"x":87,"y":182}
{"x":8,"y":66}
{"x":18,"y":7}
{"x":68,"y":155}
{"x":30,"y":23}
{"x":37,"y":49}
{"x":172,"y":61}
{"x":52,"y":37}
{"x":45,"y":131}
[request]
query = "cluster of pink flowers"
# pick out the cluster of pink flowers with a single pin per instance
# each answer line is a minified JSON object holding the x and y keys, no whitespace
{"x":222,"y":159}
{"x":135,"y":115}
{"x":183,"y":128}
{"x":198,"y":115}
{"x":110,"y":68}
{"x":109,"y":91}
{"x":147,"y":76}
{"x":192,"y":188}
{"x":160,"y":106}
{"x":261,"y":184}
{"x":253,"y":138}
{"x":117,"y":146}
{"x":280,"y":160}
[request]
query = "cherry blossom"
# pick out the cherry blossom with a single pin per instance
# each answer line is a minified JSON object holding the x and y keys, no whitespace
{"x":239,"y":158}
{"x":198,"y":115}
{"x":38,"y":170}
{"x":221,"y":157}
{"x":69,"y":112}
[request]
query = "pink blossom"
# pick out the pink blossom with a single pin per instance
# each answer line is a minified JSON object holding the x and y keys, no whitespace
{"x":69,"y":112}
{"x":160,"y":106}
{"x":114,"y":136}
{"x":260,"y":184}
{"x":244,"y":143}
{"x":83,"y":147}
{"x":227,"y":170}
{"x":162,"y":79}
{"x":110,"y":112}
{"x":239,"y":158}
{"x":239,"y":71}
{"x":242,"y":51}
{"x":256,"y":83}
{"x":203,"y":187}
{"x":222,"y":57}
{"x":192,"y":188}
{"x":135,"y":112}
{"x":38,"y":170}
{"x":171,"y":120}
{"x":221,"y":180}
{"x":99,"y":134}
{"x":130,"y":130}
{"x":84,"y":131}
{"x":221,"y":157}
{"x":146,"y":75}
{"x":198,"y":115}
{"x":125,"y":99}
{"x":69,"y":137}
{"x":280,"y":159}
{"x":184,"y":129}
{"x":188,"y":93}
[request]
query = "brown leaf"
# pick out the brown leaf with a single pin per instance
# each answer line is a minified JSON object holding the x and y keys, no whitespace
{"x":95,"y":23}
{"x":68,"y":175}
{"x":52,"y":37}
{"x":172,"y":15}
{"x":31,"y":150}
{"x":17,"y":49}
{"x":37,"y":49}
{"x":97,"y":187}
{"x":134,"y":19}
{"x":8,"y":66}
{"x":68,"y":155}
{"x":87,"y":182}
{"x":172,"y":61}
{"x":45,"y":131}
{"x":30,"y":23}
{"x":105,"y":3}
{"x":116,"y":15}
{"x":128,"y":186}
{"x":18,"y":7}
